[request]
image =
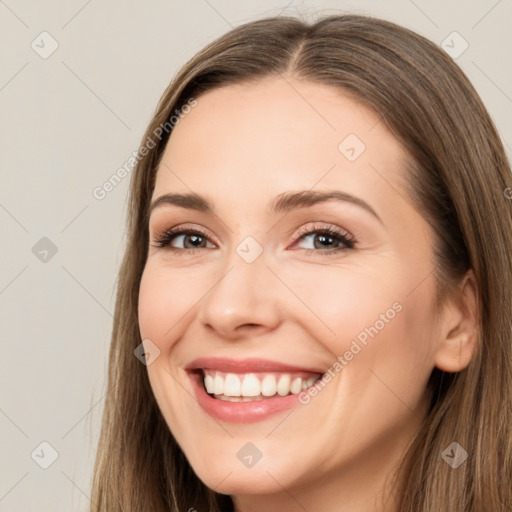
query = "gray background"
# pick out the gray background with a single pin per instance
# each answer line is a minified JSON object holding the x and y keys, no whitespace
{"x":68,"y":122}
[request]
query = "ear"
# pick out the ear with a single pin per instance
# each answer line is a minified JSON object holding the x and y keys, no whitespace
{"x":459,"y":328}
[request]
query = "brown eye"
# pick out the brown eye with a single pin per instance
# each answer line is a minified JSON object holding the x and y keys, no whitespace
{"x":181,"y":239}
{"x":326,"y":238}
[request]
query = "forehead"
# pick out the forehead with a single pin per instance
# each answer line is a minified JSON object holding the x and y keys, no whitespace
{"x":277,"y":134}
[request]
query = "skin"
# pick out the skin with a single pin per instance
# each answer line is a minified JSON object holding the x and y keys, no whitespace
{"x":240,"y":147}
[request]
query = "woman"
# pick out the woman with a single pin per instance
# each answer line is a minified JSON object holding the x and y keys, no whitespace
{"x":317,"y":280}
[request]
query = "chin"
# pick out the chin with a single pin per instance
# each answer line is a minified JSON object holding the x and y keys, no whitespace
{"x":228,"y":475}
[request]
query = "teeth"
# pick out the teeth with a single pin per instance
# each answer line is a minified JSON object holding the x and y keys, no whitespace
{"x":283,"y":386}
{"x":209,"y":383}
{"x":232,"y":386}
{"x":310,"y":382}
{"x":296,"y":386}
{"x":238,"y":398}
{"x":251,"y":385}
{"x":268,"y":385}
{"x":254,"y":386}
{"x":218,"y":385}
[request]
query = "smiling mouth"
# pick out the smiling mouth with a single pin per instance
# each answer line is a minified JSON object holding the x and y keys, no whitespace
{"x":255,"y":386}
{"x":248,"y":390}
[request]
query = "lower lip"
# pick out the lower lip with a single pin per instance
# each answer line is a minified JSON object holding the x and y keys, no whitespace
{"x":240,"y":412}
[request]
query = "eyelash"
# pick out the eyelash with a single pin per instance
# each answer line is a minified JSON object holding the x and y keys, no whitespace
{"x":344,"y":237}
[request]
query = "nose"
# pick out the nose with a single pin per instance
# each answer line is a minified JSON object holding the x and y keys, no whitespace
{"x":243,"y":301}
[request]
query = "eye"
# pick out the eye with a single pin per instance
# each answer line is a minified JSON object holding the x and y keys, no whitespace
{"x":182,"y":239}
{"x":327,"y":239}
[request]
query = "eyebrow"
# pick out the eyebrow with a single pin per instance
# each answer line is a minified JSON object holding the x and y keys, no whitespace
{"x":283,"y":203}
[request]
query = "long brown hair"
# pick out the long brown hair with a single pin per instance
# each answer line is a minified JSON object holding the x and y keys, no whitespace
{"x":457,"y":178}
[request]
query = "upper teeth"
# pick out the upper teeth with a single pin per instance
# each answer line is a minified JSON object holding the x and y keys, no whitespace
{"x":255,"y":384}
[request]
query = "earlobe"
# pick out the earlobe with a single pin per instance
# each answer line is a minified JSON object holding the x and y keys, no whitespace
{"x":459,"y":330}
{"x":455,"y":355}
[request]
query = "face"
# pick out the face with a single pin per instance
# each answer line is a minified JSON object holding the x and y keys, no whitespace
{"x":299,"y":257}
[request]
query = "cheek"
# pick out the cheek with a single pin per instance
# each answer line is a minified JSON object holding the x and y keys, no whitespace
{"x":371,"y":319}
{"x":346,"y":299}
{"x":165,"y":299}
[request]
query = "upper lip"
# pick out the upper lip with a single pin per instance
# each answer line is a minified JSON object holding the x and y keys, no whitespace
{"x":247,"y":365}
